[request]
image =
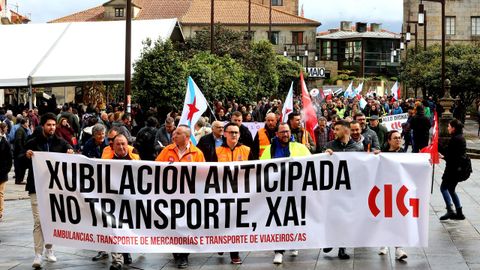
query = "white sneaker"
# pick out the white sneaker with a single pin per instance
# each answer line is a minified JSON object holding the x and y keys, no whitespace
{"x":400,"y":254}
{"x":294,"y":253}
{"x":37,"y":262}
{"x":49,"y":255}
{"x":278,"y":259}
{"x":383,"y":251}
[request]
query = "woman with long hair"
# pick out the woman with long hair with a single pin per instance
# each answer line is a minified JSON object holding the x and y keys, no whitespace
{"x":394,"y":145}
{"x":453,"y":154}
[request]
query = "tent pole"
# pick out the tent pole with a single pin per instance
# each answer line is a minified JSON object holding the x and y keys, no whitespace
{"x":30,"y":94}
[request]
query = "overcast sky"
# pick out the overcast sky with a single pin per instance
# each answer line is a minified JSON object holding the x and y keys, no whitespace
{"x":328,"y":12}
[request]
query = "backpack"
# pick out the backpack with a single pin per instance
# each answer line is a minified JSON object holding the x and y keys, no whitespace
{"x":465,"y":168}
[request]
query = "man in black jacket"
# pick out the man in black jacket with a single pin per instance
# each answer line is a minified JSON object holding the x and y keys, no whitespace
{"x":43,"y":141}
{"x":208,"y":143}
{"x":145,"y":140}
{"x":420,"y":125}
{"x":246,"y":137}
{"x":342,"y":143}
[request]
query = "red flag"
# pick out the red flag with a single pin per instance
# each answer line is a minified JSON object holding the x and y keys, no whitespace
{"x":309,"y":115}
{"x":432,"y":148}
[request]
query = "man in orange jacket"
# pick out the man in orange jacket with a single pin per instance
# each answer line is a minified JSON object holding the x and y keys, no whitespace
{"x":121,"y":150}
{"x":181,"y":150}
{"x":233,"y":150}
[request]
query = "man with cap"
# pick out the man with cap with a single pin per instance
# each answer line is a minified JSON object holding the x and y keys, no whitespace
{"x":380,"y":130}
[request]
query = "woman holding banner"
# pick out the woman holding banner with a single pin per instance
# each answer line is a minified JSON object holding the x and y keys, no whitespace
{"x":394,"y":145}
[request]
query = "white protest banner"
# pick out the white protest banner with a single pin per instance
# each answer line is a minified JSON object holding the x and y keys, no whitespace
{"x":392,"y":122}
{"x":253,"y":127}
{"x":299,"y":203}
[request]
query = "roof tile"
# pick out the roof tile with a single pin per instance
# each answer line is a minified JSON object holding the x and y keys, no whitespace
{"x":198,"y":12}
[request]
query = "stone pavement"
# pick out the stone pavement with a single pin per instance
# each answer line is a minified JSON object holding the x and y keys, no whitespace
{"x":452,"y":244}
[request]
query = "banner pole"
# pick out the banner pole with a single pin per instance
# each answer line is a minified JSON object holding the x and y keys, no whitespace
{"x":433,"y":177}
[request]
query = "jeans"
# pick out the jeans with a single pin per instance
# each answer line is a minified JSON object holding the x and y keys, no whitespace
{"x":448,"y":192}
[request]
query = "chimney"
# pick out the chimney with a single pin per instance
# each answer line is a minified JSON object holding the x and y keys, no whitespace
{"x":345,"y":26}
{"x":375,"y":27}
{"x":361,"y":27}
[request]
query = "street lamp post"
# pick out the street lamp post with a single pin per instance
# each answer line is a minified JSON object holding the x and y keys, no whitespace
{"x":414,"y":34}
{"x":446,"y":101}
{"x":128,"y":58}
{"x":212,"y":26}
{"x":443,"y":41}
{"x":422,"y":21}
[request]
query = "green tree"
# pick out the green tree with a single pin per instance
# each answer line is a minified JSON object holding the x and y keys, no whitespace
{"x":462,"y":66}
{"x":159,"y":76}
{"x":226,"y":42}
{"x":219,"y":77}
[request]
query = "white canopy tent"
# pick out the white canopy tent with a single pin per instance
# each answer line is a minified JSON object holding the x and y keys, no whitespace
{"x":42,"y":54}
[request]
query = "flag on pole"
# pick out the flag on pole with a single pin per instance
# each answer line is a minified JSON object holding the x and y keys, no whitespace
{"x":193,"y":108}
{"x":302,"y":13}
{"x":358,"y":91}
{"x":349,"y":90}
{"x":338,"y":91}
{"x":363,"y":103}
{"x":310,"y":117}
{"x":287,"y":105}
{"x":432,"y":148}
{"x":395,"y":91}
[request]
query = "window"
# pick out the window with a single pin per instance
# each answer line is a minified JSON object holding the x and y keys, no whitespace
{"x":297,"y":38}
{"x":450,"y":27}
{"x":119,"y":12}
{"x":326,"y":50}
{"x":475,"y":26}
{"x":277,"y":2}
{"x":275,"y":37}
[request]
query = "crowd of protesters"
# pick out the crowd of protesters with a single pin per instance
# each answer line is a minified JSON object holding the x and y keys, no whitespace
{"x":343,"y":125}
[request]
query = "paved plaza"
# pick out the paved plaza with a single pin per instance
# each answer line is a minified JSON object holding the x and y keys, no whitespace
{"x":452,"y":244}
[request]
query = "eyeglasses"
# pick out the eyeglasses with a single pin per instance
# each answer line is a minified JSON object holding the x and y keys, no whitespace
{"x":284,"y":131}
{"x":232,"y":132}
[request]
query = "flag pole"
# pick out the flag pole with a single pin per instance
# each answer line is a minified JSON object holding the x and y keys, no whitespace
{"x":213,"y":113}
{"x":433,"y":177}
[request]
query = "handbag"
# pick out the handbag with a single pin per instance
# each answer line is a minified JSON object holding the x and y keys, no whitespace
{"x":465,"y":168}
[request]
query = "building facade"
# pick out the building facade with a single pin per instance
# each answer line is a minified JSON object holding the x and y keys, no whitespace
{"x":462,"y":21}
{"x":367,"y":51}
{"x":291,"y":35}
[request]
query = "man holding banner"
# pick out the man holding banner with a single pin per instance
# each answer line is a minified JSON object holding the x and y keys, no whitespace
{"x":181,"y":150}
{"x":342,"y":143}
{"x":46,"y":141}
{"x":121,"y":150}
{"x":232,"y":150}
{"x":282,"y":147}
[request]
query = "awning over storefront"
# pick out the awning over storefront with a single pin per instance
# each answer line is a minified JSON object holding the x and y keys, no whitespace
{"x":74,"y":52}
